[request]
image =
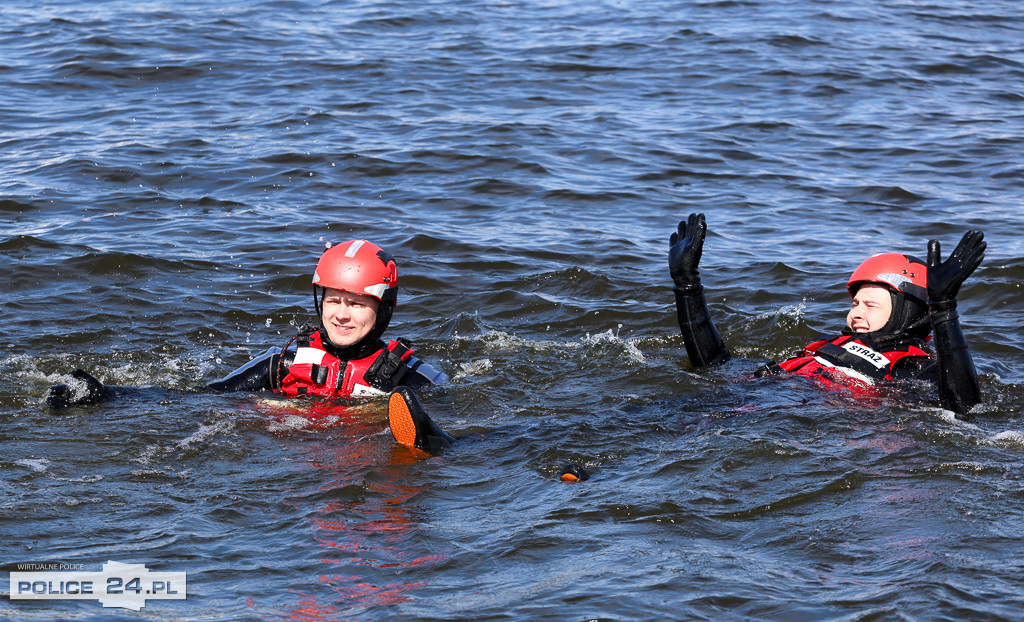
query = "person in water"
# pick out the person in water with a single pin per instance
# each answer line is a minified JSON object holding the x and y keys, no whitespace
{"x":897,"y":301}
{"x":355,"y":288}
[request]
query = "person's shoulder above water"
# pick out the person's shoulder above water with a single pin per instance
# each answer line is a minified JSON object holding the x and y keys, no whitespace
{"x":389,"y":367}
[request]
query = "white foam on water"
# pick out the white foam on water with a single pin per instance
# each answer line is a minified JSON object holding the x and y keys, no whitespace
{"x":500,"y":341}
{"x":1009,"y":437}
{"x":794,"y":312}
{"x":950,"y":417}
{"x":85,"y":479}
{"x":145,"y":457}
{"x":629,"y":347}
{"x":35,"y":465}
{"x":289,"y":423}
{"x":475,"y":367}
{"x":204,"y":433}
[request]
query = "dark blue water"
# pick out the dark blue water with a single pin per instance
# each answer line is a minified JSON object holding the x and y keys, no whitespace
{"x":169,"y":172}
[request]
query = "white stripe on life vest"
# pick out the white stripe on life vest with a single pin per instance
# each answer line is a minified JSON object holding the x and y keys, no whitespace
{"x":361,"y":390}
{"x":852,"y":373}
{"x":309,"y":355}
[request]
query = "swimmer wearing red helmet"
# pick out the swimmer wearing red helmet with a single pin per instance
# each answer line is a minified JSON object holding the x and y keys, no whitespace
{"x":897,"y":300}
{"x":355,"y":287}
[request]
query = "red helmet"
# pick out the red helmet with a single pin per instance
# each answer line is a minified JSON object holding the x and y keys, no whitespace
{"x":359,"y":267}
{"x":906,"y":278}
{"x":902,"y":273}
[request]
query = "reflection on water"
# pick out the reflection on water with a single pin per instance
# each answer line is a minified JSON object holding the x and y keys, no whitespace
{"x":368,"y":521}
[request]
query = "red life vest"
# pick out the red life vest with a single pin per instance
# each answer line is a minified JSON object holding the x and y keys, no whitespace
{"x":315,"y":371}
{"x":848,"y":361}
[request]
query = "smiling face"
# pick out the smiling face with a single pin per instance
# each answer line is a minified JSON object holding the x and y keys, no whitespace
{"x":348,"y":317}
{"x":872,"y":306}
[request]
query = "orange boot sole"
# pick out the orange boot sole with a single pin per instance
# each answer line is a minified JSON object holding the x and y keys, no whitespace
{"x":400,"y":420}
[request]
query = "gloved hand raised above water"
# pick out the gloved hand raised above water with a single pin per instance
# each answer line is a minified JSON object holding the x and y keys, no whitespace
{"x":687,"y":245}
{"x":946,"y":277}
{"x":959,"y":389}
{"x":703,"y":344}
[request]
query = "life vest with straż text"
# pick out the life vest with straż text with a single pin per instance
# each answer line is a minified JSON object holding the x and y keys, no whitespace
{"x":849,"y":361}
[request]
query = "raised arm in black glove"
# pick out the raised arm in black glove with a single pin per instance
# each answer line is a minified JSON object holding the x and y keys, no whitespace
{"x":958,"y":379}
{"x":703,"y":345}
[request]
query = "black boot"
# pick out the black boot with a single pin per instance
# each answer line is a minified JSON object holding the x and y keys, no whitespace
{"x":84,"y":389}
{"x":411,"y":425}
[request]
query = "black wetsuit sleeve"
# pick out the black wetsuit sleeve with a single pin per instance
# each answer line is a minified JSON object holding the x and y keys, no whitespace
{"x":415,"y":381}
{"x":256,"y":375}
{"x":959,"y":389}
{"x":703,"y":345}
{"x":421,"y":374}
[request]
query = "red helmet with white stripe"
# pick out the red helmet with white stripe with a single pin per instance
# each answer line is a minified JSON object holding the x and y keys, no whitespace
{"x":902,"y":273}
{"x":906,"y":278}
{"x":359,"y":267}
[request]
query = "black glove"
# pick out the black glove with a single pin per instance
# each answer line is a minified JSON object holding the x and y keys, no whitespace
{"x":84,"y":389}
{"x":946,"y":277}
{"x":684,"y":254}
